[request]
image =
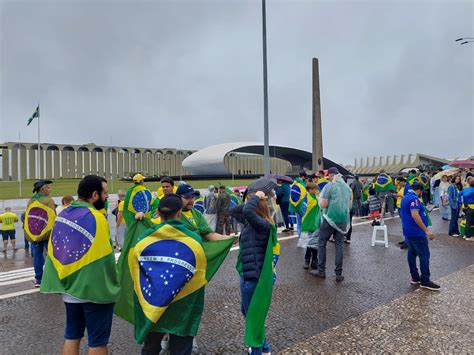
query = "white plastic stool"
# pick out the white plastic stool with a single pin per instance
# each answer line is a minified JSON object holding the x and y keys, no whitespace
{"x":385,"y":236}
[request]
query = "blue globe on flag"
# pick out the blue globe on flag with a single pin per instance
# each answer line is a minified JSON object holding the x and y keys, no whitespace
{"x":166,"y":266}
{"x":141,"y":201}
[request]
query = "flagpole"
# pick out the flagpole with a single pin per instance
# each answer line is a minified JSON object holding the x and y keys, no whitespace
{"x":19,"y":160}
{"x":39,"y":146}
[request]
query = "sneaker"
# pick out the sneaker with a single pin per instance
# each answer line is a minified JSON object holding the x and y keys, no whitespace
{"x":414,"y":282}
{"x":469,"y":239}
{"x":286,"y":230}
{"x":454,"y":235}
{"x":195,"y":346}
{"x":37,"y":284}
{"x":431,"y":286}
{"x":339,"y":278}
{"x":165,"y":345}
{"x":347,"y":241}
{"x":404,"y":246}
{"x":317,"y":274}
{"x":401,"y":243}
{"x":331,"y":240}
{"x":306,"y":265}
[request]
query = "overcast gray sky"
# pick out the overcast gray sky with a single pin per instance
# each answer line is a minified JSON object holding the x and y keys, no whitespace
{"x":188,"y":74}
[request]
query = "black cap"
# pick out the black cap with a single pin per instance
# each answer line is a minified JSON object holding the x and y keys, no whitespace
{"x":333,"y":170}
{"x":416,"y":186}
{"x":170,"y":204}
{"x":39,"y":184}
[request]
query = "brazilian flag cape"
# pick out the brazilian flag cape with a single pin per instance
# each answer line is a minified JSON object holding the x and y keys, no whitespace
{"x":81,"y":260}
{"x":39,"y":219}
{"x":425,"y":181}
{"x":199,"y":204}
{"x":262,"y":296}
{"x":321,"y":183}
{"x":383,"y":182}
{"x":138,"y":199}
{"x":163,"y":271}
{"x":298,"y":198}
{"x":311,"y":219}
{"x":412,"y":178}
{"x":235,"y":200}
{"x":462,"y":228}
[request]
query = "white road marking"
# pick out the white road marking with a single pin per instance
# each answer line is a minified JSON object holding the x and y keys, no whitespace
{"x":19,"y":281}
{"x":20,"y":293}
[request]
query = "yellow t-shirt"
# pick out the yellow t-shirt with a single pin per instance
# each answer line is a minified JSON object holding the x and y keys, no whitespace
{"x":120,"y":209}
{"x":8,"y":220}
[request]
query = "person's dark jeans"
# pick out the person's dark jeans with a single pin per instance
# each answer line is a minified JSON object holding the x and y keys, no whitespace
{"x":179,"y":345}
{"x":284,"y":206}
{"x":418,"y":247}
{"x":453,"y":223}
{"x":27,"y":243}
{"x":325,"y":233}
{"x":247,"y":288}
{"x":39,"y":250}
{"x":357,"y":207}
{"x":349,"y":233}
{"x":469,"y":222}
{"x":311,"y":256}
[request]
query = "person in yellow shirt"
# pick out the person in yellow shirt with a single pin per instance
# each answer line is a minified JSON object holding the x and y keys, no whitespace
{"x":8,"y":220}
{"x":121,"y":226}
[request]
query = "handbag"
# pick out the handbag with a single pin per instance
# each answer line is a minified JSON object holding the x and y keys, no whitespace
{"x":444,"y":200}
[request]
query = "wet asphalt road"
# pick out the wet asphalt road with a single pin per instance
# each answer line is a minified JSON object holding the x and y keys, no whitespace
{"x":302,"y":306}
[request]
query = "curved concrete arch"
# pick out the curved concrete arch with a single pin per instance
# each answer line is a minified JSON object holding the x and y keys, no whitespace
{"x":112,"y":150}
{"x":67,"y":148}
{"x":98,"y":149}
{"x":52,"y":147}
{"x":83,"y":149}
{"x":210,"y":160}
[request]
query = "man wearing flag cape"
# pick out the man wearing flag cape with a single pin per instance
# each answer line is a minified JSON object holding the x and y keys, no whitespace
{"x":185,"y":233}
{"x":39,"y":220}
{"x":385,"y":189}
{"x":81,"y":267}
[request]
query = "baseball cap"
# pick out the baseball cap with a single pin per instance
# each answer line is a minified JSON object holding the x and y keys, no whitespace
{"x":170,"y":204}
{"x":333,"y":170}
{"x":39,"y":184}
{"x":185,"y":190}
{"x":416,"y":186}
{"x":138,"y":177}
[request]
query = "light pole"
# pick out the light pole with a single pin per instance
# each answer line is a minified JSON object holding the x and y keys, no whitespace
{"x":266,"y":146}
{"x":465,"y":40}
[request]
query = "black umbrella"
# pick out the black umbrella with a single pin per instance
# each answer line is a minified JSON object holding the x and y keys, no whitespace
{"x":281,"y":177}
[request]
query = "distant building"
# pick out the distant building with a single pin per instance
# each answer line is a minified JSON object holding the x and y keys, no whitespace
{"x":394,"y":164}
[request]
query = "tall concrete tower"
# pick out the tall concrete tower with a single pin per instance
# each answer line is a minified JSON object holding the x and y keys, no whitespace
{"x":317,"y":127}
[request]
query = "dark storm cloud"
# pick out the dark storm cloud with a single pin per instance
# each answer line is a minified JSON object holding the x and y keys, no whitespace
{"x":188,"y":73}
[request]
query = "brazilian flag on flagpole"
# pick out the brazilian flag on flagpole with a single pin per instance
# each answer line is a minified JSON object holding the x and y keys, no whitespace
{"x":384,"y":183}
{"x":35,"y":114}
{"x":262,"y":296}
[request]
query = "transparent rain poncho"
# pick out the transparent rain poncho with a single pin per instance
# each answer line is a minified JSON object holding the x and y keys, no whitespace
{"x":339,"y":196}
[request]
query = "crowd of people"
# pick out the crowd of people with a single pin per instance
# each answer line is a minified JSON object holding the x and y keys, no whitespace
{"x":172,"y":241}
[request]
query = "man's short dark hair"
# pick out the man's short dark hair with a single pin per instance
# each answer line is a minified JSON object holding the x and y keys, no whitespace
{"x":401,"y":178}
{"x":356,"y":177}
{"x":88,"y":185}
{"x":168,"y":180}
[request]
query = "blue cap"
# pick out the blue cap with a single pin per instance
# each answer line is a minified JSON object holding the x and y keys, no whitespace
{"x":185,"y":190}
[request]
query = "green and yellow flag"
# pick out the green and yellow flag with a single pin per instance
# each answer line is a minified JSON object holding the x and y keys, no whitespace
{"x":262,"y":296}
{"x":383,"y":182}
{"x":81,"y":257}
{"x":298,"y":196}
{"x":311,"y":219}
{"x":35,"y":114}
{"x":164,"y":270}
